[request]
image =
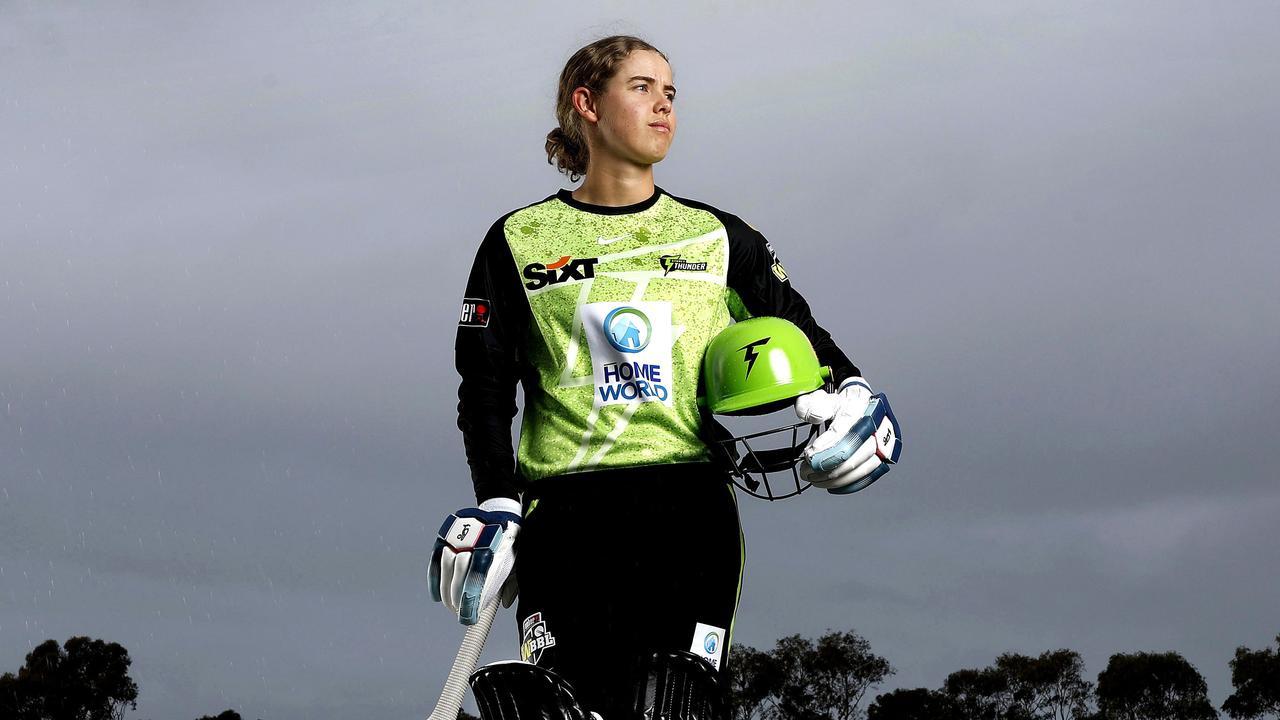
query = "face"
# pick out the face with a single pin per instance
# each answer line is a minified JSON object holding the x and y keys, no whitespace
{"x":635,"y":117}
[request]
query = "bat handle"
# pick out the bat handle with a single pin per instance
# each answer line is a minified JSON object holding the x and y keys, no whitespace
{"x":455,"y":687}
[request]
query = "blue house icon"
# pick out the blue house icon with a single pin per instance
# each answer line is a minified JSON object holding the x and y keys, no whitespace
{"x":630,"y":336}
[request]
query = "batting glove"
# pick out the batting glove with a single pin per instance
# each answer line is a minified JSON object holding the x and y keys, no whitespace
{"x":858,"y":447}
{"x":472,"y":565}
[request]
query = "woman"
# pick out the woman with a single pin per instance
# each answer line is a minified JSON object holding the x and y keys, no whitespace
{"x":600,"y":302}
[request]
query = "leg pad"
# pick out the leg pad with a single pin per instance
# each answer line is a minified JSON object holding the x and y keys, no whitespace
{"x":680,"y":686}
{"x":514,"y":690}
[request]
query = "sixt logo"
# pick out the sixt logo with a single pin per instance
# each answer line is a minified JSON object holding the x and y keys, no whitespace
{"x":751,"y":355}
{"x":562,"y":270}
{"x":673,"y":262}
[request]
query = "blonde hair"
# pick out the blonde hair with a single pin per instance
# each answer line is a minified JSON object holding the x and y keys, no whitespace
{"x":590,"y":67}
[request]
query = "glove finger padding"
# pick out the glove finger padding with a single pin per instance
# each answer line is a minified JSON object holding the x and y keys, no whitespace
{"x":491,"y":567}
{"x":843,"y":409}
{"x":829,"y":475}
{"x":865,"y":482}
{"x":816,"y":407}
{"x":850,"y":456}
{"x":511,"y":588}
{"x":841,"y":445}
{"x":854,"y":473}
{"x":457,"y":577}
{"x":472,"y":561}
{"x":435,"y":571}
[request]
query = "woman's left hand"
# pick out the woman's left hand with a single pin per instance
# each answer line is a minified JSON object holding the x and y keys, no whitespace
{"x":860,"y":444}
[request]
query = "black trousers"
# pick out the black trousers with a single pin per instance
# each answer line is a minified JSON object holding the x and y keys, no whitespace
{"x":617,"y":564}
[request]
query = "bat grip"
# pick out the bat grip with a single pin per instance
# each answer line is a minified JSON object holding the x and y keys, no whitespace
{"x":455,"y":687}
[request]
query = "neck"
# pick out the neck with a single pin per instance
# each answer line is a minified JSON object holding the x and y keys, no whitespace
{"x":616,"y":186}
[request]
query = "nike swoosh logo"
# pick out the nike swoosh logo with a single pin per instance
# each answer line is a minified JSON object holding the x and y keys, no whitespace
{"x":610,"y":241}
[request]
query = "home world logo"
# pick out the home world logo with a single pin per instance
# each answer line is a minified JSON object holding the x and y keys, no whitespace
{"x":630,"y":351}
{"x":627,"y":329}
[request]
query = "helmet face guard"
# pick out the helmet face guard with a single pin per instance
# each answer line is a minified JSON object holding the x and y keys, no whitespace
{"x":750,"y":467}
{"x":755,"y":367}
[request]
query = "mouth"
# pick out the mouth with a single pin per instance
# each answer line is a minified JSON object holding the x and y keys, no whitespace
{"x":660,"y":126}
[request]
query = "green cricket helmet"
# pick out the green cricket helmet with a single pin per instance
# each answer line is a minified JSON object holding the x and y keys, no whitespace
{"x":757,"y":367}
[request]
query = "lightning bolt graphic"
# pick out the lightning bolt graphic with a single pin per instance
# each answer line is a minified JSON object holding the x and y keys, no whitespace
{"x":751,"y":355}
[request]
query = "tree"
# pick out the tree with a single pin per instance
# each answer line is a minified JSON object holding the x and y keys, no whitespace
{"x":224,"y":715}
{"x":83,"y":680}
{"x":14,"y":699}
{"x":805,"y":680}
{"x":1152,"y":686}
{"x":916,"y":704}
{"x":844,"y":668}
{"x":978,"y":694}
{"x":1021,"y":687}
{"x":753,"y":678}
{"x":1255,"y":674}
{"x":1048,"y":687}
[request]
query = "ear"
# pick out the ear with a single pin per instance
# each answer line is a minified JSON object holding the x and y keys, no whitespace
{"x":584,"y":101}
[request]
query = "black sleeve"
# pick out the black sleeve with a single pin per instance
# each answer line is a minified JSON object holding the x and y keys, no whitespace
{"x":488,"y":355}
{"x":762,"y":283}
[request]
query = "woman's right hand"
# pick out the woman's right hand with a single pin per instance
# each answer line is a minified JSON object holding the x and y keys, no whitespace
{"x":473,"y":563}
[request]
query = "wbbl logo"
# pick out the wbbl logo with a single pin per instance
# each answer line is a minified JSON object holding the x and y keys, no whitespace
{"x":535,"y":638}
{"x":562,"y":270}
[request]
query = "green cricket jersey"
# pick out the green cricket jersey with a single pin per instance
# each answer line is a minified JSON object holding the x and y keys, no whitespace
{"x":603,"y":314}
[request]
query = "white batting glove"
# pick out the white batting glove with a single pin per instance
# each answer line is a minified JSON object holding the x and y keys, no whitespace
{"x":473,"y":562}
{"x":860,"y":444}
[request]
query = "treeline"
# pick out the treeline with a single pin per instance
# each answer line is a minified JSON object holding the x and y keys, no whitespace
{"x":799,"y":679}
{"x":82,"y":680}
{"x":828,"y":679}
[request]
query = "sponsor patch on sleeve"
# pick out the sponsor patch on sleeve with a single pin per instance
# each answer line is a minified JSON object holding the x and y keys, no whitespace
{"x":778,"y":271}
{"x":475,"y":313}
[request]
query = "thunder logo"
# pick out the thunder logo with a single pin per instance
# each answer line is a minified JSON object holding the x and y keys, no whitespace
{"x":751,"y":355}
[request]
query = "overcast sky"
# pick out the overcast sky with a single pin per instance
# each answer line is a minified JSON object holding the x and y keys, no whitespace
{"x":233,"y":237}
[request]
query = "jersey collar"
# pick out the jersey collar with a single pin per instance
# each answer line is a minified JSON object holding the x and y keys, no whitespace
{"x":566,"y":197}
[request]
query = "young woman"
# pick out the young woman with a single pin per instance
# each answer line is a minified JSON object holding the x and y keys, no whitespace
{"x":600,"y":303}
